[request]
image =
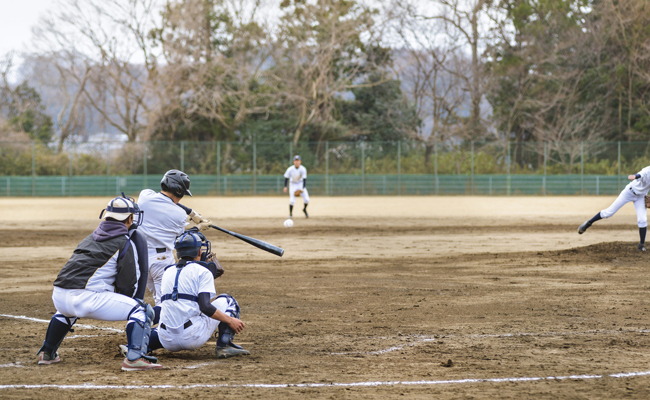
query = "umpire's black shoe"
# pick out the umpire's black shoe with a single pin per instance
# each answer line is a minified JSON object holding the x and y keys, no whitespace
{"x":642,"y":246}
{"x":582,"y":228}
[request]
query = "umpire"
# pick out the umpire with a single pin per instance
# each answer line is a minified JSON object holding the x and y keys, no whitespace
{"x":105,"y":280}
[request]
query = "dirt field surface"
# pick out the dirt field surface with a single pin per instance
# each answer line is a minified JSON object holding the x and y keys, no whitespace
{"x":376,"y":297}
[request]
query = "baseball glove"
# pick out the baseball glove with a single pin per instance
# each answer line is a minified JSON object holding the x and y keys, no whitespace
{"x":211,"y":257}
{"x":297,"y":192}
{"x":647,"y":201}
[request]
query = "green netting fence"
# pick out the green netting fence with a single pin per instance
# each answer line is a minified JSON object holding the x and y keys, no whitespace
{"x":334,"y":168}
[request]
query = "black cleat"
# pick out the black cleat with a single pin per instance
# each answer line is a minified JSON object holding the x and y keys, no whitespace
{"x":641,"y":246}
{"x":582,"y":228}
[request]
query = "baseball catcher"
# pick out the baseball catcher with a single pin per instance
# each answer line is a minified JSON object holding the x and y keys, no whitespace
{"x":105,"y":280}
{"x":188,"y":319}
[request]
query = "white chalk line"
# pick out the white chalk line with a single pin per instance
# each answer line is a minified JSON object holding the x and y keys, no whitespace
{"x":333,"y":384}
{"x":12,"y":365}
{"x":504,"y":335}
{"x":82,"y":326}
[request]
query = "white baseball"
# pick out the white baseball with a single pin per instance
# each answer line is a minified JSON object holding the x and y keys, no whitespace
{"x":288,"y":223}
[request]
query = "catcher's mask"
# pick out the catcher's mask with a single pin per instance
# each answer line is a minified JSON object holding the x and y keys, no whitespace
{"x":189,"y":244}
{"x":120,"y":208}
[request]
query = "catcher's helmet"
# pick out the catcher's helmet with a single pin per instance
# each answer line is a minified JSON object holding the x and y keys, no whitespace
{"x":120,"y":208}
{"x":177,"y":182}
{"x":188,"y":245}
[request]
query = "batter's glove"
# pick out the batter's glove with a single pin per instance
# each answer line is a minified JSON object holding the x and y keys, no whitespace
{"x":297,"y":192}
{"x":194,"y":217}
{"x":647,"y":201}
{"x":211,"y":257}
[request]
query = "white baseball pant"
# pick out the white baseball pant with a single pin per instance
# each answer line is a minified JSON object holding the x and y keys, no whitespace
{"x":104,"y":306}
{"x":626,"y":196}
{"x":195,"y":336}
{"x":157,"y":264}
{"x":292,"y":189}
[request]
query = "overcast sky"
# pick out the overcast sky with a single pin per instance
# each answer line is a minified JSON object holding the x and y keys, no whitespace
{"x":16,"y":20}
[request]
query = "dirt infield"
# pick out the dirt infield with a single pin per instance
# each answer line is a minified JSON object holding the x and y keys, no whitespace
{"x":376,"y":297}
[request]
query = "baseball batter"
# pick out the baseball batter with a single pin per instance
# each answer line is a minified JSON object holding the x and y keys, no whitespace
{"x":634,"y":192}
{"x":188,"y":318}
{"x":296,"y":179}
{"x":165,"y":219}
{"x":104,"y":280}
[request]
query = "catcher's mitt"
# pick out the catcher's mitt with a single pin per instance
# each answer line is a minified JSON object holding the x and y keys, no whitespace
{"x":647,"y":201}
{"x":299,"y":191}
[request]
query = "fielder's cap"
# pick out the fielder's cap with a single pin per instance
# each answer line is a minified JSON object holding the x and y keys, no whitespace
{"x":297,"y":158}
{"x":119,"y":208}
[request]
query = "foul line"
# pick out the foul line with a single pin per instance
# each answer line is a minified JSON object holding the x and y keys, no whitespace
{"x":328,"y":385}
{"x":83,"y":326}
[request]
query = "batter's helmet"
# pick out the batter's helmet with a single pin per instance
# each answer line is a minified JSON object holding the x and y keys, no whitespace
{"x":188,"y":245}
{"x":177,"y":182}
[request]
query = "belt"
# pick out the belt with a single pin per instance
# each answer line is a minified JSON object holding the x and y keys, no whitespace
{"x":633,"y":192}
{"x":185,"y":325}
{"x":161,"y":250}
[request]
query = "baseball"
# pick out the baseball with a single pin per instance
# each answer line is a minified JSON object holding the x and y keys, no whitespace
{"x":288,"y":223}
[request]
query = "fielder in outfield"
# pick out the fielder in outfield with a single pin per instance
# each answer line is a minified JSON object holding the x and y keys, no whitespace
{"x":634,"y":192}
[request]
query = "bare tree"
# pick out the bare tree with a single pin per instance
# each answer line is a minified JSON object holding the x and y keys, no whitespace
{"x":325,"y":50}
{"x":102,"y":47}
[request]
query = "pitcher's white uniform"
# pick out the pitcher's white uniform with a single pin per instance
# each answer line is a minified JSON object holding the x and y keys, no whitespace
{"x":296,"y":178}
{"x":163,"y":222}
{"x":182,"y":325}
{"x":634,"y":192}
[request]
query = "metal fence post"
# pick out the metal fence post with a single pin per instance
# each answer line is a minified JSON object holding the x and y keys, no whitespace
{"x":508,"y":162}
{"x":582,"y":168}
{"x":327,"y":168}
{"x":545,"y":160}
{"x":218,"y":165}
{"x":182,"y":155}
{"x":618,"y":178}
{"x":254,"y":167}
{"x":33,"y":168}
{"x":71,"y":156}
{"x":471,"y":181}
{"x":399,"y":168}
{"x":363,"y":168}
{"x":144,"y":166}
{"x":108,"y":169}
{"x":435,"y":167}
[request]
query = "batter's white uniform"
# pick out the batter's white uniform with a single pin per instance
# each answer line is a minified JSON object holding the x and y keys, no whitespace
{"x":296,"y":178}
{"x":164,"y":220}
{"x":193,"y":279}
{"x":635,"y":192}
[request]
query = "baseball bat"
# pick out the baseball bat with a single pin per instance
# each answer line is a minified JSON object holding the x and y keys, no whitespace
{"x":255,"y":242}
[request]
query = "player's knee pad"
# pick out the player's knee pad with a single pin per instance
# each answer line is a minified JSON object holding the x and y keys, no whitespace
{"x":232,"y":307}
{"x":59,"y":326}
{"x":138,"y":331}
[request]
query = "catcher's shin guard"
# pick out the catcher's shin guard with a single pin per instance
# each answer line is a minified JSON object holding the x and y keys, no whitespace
{"x":137,"y":333}
{"x":56,"y":332}
{"x":226,"y":334}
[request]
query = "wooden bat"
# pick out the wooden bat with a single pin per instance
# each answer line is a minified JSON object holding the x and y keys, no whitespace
{"x":255,"y":242}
